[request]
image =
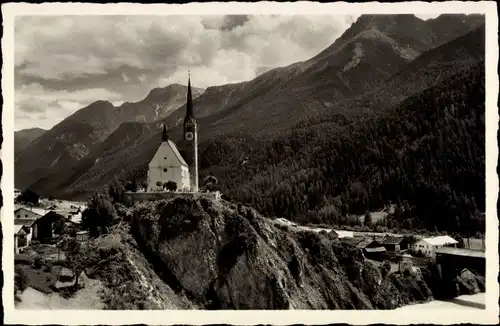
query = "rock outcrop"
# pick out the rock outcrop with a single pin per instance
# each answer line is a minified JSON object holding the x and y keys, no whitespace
{"x":225,"y":257}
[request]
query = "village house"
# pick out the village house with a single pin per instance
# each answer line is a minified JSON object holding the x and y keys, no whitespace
{"x":428,"y":246}
{"x":406,"y":264}
{"x":43,"y":228}
{"x":82,"y":236}
{"x":22,"y":237}
{"x":394,"y":244}
{"x":375,"y":253}
{"x":25,"y":213}
{"x":367,"y":242}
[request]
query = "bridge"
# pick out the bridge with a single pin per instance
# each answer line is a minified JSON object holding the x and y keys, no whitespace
{"x":453,"y":260}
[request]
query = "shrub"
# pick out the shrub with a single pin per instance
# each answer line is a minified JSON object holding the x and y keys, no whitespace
{"x":385,"y":268}
{"x":28,"y":196}
{"x":170,"y":185}
{"x":20,"y":279}
{"x":37,"y":263}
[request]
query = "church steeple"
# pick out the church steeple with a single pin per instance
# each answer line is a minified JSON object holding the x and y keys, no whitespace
{"x":191,"y":139}
{"x":164,"y":135}
{"x":189,"y":102}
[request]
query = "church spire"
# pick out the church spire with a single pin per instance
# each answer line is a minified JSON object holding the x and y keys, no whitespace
{"x":164,"y":135}
{"x":189,"y":102}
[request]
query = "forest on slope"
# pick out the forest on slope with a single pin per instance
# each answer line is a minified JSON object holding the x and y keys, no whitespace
{"x":426,"y":155}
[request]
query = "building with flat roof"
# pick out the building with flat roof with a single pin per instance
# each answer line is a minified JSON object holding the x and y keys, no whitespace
{"x":454,"y":260}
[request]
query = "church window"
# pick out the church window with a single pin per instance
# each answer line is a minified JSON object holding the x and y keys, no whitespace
{"x":165,"y":170}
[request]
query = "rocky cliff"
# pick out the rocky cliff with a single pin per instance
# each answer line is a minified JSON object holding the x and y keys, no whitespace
{"x":223,"y":256}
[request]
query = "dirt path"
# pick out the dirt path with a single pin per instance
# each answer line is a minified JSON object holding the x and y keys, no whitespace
{"x":86,"y":298}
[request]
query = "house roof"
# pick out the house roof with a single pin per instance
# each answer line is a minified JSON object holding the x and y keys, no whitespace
{"x":50,"y":215}
{"x":440,"y":240}
{"x":31,"y":210}
{"x":24,"y":221}
{"x":17,"y":228}
{"x":376,"y":249}
{"x":66,"y":272}
{"x":344,"y":234}
{"x":365,"y":242}
{"x":389,"y":240}
{"x":354,"y":240}
{"x":76,"y":218}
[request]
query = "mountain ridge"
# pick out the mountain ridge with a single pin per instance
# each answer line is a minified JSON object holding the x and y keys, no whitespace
{"x":76,"y":136}
{"x":23,"y":137}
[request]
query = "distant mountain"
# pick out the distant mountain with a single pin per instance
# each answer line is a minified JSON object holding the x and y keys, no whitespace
{"x":75,"y":137}
{"x":23,"y":138}
{"x":367,"y":54}
{"x":366,"y":59}
{"x":427,"y":70}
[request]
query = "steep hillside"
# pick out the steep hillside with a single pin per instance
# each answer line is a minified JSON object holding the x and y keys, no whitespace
{"x":426,"y":154}
{"x":225,"y":257}
{"x":76,"y":136}
{"x":428,"y":70}
{"x":23,"y":138}
{"x":373,"y":49}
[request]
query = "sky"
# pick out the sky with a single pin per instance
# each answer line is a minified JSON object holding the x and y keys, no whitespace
{"x":64,"y":63}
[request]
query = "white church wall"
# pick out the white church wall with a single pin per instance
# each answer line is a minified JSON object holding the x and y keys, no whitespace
{"x":179,"y":175}
{"x":166,"y":166}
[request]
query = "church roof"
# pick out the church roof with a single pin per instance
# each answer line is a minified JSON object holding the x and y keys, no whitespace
{"x":174,"y":149}
{"x":176,"y":152}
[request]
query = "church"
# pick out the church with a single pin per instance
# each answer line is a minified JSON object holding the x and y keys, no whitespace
{"x":168,"y":164}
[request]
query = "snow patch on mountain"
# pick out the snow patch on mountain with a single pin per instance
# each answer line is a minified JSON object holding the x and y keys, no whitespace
{"x":358,"y":54}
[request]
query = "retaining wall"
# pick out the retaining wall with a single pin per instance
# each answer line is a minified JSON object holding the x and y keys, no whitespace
{"x":153,"y":196}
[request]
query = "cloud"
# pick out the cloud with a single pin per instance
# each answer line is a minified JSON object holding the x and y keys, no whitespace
{"x":126,"y":56}
{"x":34,"y":103}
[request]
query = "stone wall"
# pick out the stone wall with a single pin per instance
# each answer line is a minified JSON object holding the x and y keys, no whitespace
{"x":152,"y":196}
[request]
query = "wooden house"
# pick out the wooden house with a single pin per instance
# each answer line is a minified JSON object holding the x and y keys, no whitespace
{"x":375,"y":253}
{"x":394,"y":244}
{"x":43,"y":228}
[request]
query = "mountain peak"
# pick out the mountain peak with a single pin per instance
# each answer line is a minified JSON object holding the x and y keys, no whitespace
{"x":100,"y":103}
{"x":157,"y":94}
{"x":34,"y":129}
